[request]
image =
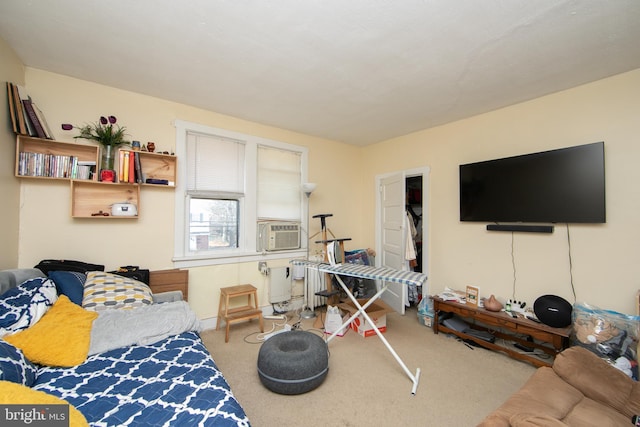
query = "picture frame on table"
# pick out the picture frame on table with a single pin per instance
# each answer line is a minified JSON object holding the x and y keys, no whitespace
{"x":473,"y":296}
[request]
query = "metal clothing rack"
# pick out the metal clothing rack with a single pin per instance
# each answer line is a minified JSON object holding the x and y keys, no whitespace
{"x":376,"y":273}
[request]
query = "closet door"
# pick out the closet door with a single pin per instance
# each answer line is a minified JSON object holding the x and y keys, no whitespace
{"x":392,"y":235}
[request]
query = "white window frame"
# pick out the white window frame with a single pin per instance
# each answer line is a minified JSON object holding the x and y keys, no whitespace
{"x":247,"y":250}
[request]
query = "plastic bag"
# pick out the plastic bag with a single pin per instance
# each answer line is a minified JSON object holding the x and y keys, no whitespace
{"x":425,"y":306}
{"x":611,"y":335}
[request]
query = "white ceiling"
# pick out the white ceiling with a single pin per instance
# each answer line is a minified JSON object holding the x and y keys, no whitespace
{"x":357,"y":71}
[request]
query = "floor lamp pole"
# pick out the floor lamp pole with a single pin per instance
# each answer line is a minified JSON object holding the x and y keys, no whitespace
{"x":307,"y":313}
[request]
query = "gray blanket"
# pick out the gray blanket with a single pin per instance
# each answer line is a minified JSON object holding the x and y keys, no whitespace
{"x":143,"y":325}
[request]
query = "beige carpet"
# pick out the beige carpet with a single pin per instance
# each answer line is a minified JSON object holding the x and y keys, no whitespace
{"x":365,"y":385}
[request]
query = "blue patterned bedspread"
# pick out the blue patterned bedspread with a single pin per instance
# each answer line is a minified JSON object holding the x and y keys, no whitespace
{"x":174,"y":382}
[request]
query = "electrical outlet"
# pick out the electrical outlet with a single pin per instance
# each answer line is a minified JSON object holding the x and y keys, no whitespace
{"x":262,"y":267}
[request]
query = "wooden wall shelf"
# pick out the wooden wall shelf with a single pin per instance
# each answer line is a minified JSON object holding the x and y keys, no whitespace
{"x":89,"y":198}
{"x":27,"y":144}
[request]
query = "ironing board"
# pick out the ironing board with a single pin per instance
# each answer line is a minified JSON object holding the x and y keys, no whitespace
{"x":377,"y":273}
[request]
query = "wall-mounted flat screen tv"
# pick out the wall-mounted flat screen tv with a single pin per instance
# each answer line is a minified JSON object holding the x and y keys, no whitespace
{"x":566,"y":185}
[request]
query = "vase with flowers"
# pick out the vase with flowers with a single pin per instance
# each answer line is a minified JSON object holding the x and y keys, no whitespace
{"x":109,"y":135}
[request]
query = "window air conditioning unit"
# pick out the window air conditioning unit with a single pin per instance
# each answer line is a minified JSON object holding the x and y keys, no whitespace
{"x":278,"y":236}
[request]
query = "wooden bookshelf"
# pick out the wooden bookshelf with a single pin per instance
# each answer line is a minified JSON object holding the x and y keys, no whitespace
{"x":157,"y":166}
{"x":28,"y":144}
{"x":90,"y":197}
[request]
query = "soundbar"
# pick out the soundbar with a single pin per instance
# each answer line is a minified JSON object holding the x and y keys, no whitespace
{"x":521,"y":227}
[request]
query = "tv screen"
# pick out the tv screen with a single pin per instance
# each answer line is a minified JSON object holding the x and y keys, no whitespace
{"x":557,"y":186}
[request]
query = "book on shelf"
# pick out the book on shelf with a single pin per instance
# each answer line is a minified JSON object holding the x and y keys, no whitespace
{"x":22,"y":94}
{"x":22,"y":127}
{"x":120,"y":165}
{"x":33,"y":118}
{"x":12,"y":107}
{"x":124,"y":167}
{"x":138,"y":168}
{"x":132,"y":167}
{"x":157,"y":181}
{"x":43,"y":121}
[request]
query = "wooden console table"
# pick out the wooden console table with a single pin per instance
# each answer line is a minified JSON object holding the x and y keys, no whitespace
{"x":503,"y":326}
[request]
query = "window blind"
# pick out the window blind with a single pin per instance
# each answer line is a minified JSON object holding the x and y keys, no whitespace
{"x":215,"y":163}
{"x":279,"y":178}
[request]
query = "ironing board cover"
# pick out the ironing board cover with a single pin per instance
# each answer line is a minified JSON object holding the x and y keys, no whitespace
{"x":368,"y":272}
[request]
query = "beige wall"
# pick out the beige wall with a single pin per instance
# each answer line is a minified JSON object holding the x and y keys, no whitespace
{"x":48,"y":231}
{"x":11,"y":70}
{"x":605,"y":257}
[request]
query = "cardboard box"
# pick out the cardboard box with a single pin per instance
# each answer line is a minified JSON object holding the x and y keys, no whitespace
{"x":376,"y":311}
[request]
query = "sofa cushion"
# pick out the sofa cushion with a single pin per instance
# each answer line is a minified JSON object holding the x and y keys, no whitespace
{"x":103,"y":291}
{"x":60,"y":338}
{"x":69,"y":283}
{"x":24,"y":305}
{"x":533,"y":420}
{"x":589,"y":413}
{"x":543,"y":394}
{"x":14,"y":366}
{"x":598,"y":380}
{"x":12,"y":394}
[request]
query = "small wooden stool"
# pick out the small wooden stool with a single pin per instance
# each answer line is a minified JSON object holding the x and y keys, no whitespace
{"x":237,"y":314}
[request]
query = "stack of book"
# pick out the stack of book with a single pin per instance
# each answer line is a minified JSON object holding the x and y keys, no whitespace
{"x":130,"y":168}
{"x":26,"y":117}
{"x":54,"y":166}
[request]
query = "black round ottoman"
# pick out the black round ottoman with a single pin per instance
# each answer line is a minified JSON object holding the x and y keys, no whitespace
{"x":293,"y":362}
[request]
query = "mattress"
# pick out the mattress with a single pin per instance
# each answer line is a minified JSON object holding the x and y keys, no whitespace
{"x":173,"y":382}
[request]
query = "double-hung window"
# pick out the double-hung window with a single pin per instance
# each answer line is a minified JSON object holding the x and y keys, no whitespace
{"x":227,"y":183}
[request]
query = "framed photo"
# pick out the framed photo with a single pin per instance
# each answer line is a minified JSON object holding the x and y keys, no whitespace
{"x":473,"y":295}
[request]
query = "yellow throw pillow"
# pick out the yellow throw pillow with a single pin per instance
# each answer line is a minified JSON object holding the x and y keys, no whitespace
{"x":18,"y":394}
{"x":60,"y":338}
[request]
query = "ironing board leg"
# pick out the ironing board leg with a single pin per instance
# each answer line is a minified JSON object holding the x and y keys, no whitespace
{"x":362,"y":310}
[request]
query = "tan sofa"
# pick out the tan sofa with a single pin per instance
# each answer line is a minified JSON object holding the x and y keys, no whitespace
{"x":580,"y":389}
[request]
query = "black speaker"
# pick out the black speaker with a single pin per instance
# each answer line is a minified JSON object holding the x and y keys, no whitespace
{"x":553,"y":311}
{"x":521,"y":227}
